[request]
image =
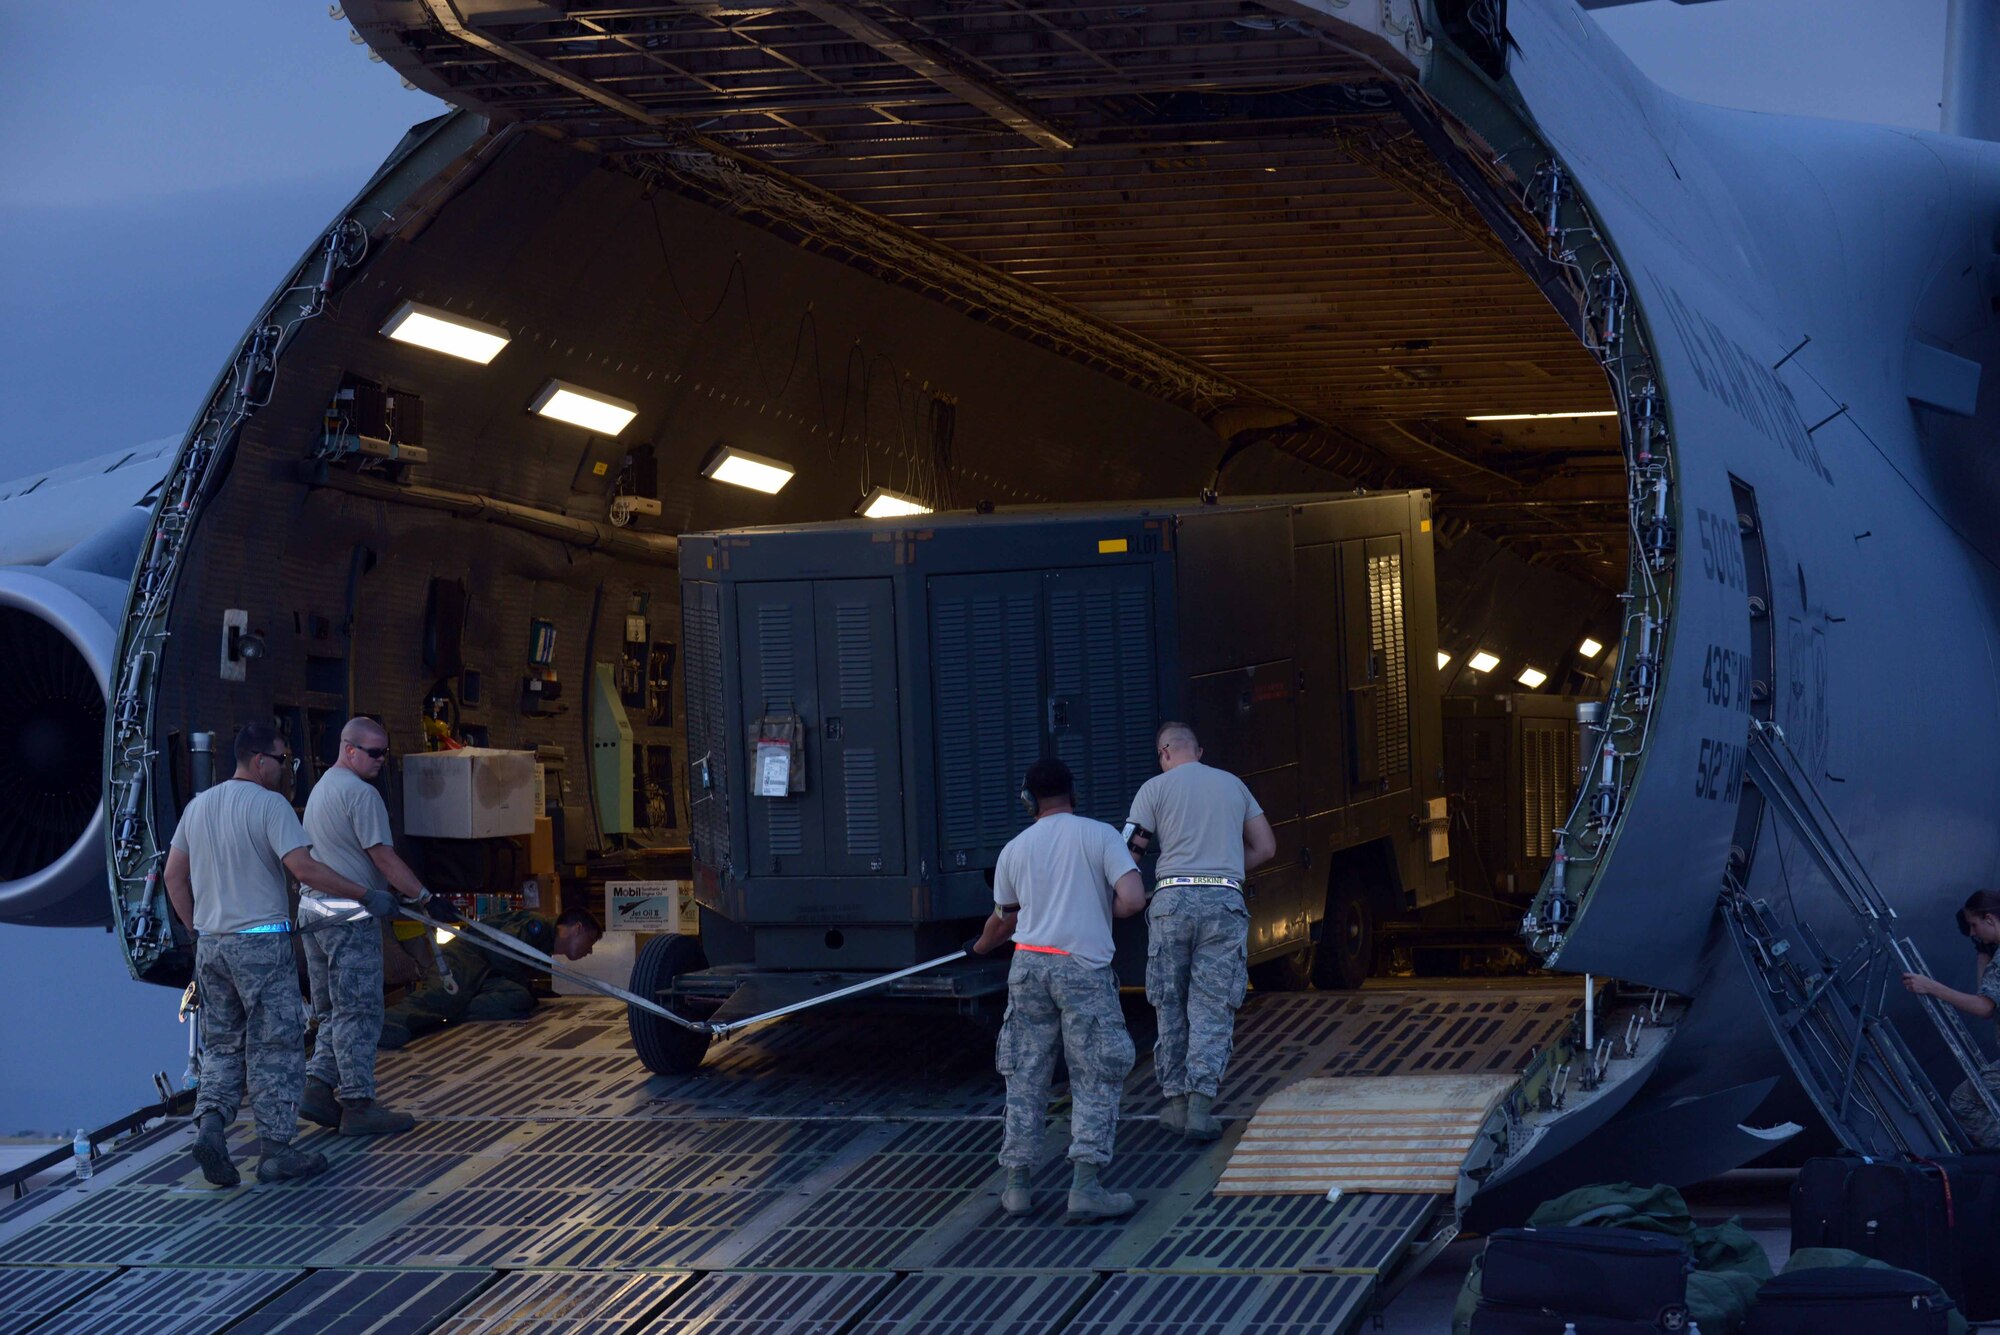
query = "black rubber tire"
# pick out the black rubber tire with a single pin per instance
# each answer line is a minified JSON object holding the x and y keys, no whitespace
{"x":665,"y":1048}
{"x":1287,"y":973}
{"x":1346,"y":953}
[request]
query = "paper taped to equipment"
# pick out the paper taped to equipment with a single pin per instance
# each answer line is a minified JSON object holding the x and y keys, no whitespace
{"x":648,"y":906}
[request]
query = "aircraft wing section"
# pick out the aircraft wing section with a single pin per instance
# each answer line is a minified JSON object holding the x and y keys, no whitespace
{"x":43,"y":515}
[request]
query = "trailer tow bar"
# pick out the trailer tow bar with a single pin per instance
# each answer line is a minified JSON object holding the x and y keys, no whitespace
{"x":497,"y":942}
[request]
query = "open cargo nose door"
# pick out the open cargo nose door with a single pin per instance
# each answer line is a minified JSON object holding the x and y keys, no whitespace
{"x":818,"y":659}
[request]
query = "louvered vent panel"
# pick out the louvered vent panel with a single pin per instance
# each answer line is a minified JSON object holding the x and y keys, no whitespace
{"x":952,"y":663}
{"x":1104,"y":671}
{"x":777,"y":662}
{"x":1010,"y":713}
{"x":988,"y":707}
{"x":863,"y":786}
{"x":784,"y":827}
{"x":708,"y":811}
{"x":1138,"y":712}
{"x":778,"y":679}
{"x":1546,"y":787}
{"x":855,"y":649}
{"x":1066,"y":641}
{"x":1066,"y":682}
{"x":1385,"y":632}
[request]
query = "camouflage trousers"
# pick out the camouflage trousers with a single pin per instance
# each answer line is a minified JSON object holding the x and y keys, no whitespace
{"x":482,"y":995}
{"x":1052,"y":998}
{"x":344,"y":965}
{"x":1970,"y":1109}
{"x":252,"y":1023}
{"x":1197,"y":945}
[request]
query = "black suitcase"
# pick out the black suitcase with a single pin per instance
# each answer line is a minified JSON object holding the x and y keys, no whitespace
{"x":1497,"y":1319}
{"x":1607,"y":1273}
{"x":1842,"y":1301}
{"x":1939,"y":1218}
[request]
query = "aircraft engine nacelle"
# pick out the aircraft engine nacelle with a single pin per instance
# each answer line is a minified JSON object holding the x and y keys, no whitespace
{"x":56,"y":647}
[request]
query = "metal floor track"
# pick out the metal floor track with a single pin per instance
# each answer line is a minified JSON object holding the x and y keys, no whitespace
{"x":807,"y":1181}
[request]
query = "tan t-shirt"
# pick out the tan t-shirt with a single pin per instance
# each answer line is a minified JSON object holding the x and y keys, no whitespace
{"x":236,"y":836}
{"x":345,"y":817}
{"x":1197,"y":814}
{"x":1060,"y":870}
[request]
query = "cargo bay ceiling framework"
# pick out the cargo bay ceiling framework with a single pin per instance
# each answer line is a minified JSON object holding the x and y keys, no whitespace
{"x":1217,"y":202}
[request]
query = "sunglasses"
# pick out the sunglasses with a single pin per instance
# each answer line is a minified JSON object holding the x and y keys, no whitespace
{"x":372,"y":752}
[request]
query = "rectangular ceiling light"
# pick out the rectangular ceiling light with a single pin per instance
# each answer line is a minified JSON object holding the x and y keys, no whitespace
{"x":882,"y":503}
{"x":1443,"y":658}
{"x":581,"y":407}
{"x":1483,"y":661}
{"x":453,"y":335}
{"x":740,"y":468}
{"x":1539,"y":417}
{"x":1589,"y":648}
{"x":1532,"y":677}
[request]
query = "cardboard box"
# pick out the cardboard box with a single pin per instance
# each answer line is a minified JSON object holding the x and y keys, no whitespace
{"x":542,"y":848}
{"x":472,"y":793}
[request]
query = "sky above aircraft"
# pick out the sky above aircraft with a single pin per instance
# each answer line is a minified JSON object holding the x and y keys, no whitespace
{"x":164,"y":172}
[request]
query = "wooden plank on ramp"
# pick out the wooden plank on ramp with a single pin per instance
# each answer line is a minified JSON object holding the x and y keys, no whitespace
{"x":1363,"y":1133}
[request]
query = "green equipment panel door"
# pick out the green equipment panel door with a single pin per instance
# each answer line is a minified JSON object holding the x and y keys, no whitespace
{"x":775,"y":629}
{"x":860,"y":742}
{"x":819,"y":659}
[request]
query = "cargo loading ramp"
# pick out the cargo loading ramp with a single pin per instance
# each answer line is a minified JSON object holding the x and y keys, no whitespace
{"x":809,"y":1177}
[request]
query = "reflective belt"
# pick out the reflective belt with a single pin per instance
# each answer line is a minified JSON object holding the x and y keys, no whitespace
{"x":267,"y":927}
{"x":317,"y":910}
{"x":1168,"y":882}
{"x":1039,"y":950}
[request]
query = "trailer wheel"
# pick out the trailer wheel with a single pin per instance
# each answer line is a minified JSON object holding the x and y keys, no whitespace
{"x":665,"y":1048}
{"x":1346,"y":943}
{"x":1287,"y":973}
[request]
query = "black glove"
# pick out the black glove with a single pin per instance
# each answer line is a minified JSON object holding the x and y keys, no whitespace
{"x":442,"y":909}
{"x":379,"y":903}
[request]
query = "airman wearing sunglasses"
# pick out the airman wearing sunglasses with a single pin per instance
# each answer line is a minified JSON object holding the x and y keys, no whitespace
{"x":225,"y":877}
{"x":348,"y":824}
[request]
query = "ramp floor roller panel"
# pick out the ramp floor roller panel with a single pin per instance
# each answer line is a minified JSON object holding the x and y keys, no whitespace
{"x":1398,"y":1133}
{"x":28,"y":1294}
{"x":364,"y":1302}
{"x":815,"y":1175}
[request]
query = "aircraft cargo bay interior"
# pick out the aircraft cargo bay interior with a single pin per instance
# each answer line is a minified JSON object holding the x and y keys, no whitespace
{"x":728,"y":450}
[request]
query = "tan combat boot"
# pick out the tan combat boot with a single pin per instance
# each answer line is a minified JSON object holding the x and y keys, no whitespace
{"x":1201,"y":1123}
{"x":283,"y":1163}
{"x":211,"y":1151}
{"x":1014,"y":1198}
{"x":1088,"y":1200}
{"x":366,"y":1117}
{"x":318,"y":1105}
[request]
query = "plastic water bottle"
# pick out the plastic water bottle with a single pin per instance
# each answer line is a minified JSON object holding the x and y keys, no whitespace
{"x":80,"y":1148}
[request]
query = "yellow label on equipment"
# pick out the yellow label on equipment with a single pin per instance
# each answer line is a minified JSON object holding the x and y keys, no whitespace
{"x":1107,"y":546}
{"x":1424,"y":527}
{"x":600,"y":468}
